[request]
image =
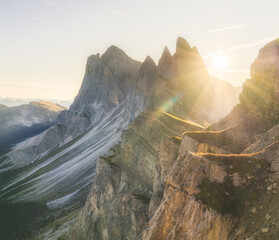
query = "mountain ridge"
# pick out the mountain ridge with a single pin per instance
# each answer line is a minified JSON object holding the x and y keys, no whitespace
{"x":115,"y":90}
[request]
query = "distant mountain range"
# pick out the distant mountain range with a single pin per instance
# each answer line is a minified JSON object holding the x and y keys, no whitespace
{"x":12,"y":102}
{"x":24,"y":121}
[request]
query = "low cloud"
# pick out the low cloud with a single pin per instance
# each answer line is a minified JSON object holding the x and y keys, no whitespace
{"x":227,"y":28}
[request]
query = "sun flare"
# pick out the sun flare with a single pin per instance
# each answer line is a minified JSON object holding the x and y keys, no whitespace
{"x":220,"y":63}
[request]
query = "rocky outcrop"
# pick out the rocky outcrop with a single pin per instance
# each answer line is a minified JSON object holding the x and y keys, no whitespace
{"x":206,"y":194}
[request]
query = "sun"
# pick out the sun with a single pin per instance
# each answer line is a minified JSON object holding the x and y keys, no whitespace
{"x":220,"y":63}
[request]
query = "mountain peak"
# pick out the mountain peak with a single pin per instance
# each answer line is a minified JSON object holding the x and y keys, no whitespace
{"x":149,"y":60}
{"x":164,"y":63}
{"x":184,"y":51}
{"x":148,"y":67}
{"x":115,"y":49}
{"x":114,"y":57}
{"x":114,"y":52}
{"x":166,"y":52}
{"x":182,"y":45}
{"x":166,"y":56}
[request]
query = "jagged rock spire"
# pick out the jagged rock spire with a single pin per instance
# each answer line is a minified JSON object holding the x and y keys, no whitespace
{"x":166,"y":57}
{"x":149,"y":60}
{"x":146,"y":77}
{"x":164,"y":64}
{"x":182,"y":45}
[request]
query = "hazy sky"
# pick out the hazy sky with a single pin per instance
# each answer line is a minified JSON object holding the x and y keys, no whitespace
{"x":44,"y":44}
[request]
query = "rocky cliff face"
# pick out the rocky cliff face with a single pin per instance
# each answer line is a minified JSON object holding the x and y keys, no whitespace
{"x":130,"y":180}
{"x":117,"y":207}
{"x":221,"y":183}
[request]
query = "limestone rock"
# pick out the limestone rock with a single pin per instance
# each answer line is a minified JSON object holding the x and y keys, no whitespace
{"x":181,"y":217}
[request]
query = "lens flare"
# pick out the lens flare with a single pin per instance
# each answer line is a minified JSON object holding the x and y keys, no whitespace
{"x":167,"y":105}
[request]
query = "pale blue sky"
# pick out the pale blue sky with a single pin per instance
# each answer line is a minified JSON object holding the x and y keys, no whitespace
{"x":44,"y":44}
